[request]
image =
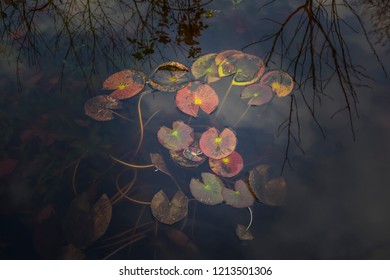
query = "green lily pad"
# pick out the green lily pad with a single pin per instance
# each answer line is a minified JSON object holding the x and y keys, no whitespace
{"x":246,"y":68}
{"x":221,"y":56}
{"x":209,"y":191}
{"x":206,"y":66}
{"x":259,"y":94}
{"x":178,"y":138}
{"x":169,"y":212}
{"x":169,"y":76}
{"x":240,"y":197}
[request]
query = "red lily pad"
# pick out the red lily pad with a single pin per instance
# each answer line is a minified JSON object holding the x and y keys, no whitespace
{"x":240,"y":197}
{"x":209,"y":191}
{"x":218,"y":146}
{"x":194,"y":96}
{"x":126,"y":83}
{"x":169,"y":212}
{"x":206,"y":66}
{"x":228,"y":166}
{"x":280,"y":82}
{"x":271,"y":192}
{"x":100,"y":107}
{"x":246,"y":68}
{"x":178,"y":138}
{"x":259,"y":94}
{"x":169,"y":76}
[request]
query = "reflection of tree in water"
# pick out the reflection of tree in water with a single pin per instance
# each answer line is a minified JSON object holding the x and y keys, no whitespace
{"x":311,"y":42}
{"x":93,"y":33}
{"x":378,"y":12}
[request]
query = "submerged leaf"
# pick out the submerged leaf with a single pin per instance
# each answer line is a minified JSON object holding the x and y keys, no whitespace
{"x":169,"y":76}
{"x":209,"y":191}
{"x":206,"y":66}
{"x":259,"y":94}
{"x":159,"y":163}
{"x":194,"y":96}
{"x":240,"y":197}
{"x":242,"y":233}
{"x":84,"y":224}
{"x":246,"y":68}
{"x":271,"y":192}
{"x":100,"y":107}
{"x":228,"y":166}
{"x":279,"y":81}
{"x":126,"y":83}
{"x":218,"y":146}
{"x":169,"y":212}
{"x":178,"y":138}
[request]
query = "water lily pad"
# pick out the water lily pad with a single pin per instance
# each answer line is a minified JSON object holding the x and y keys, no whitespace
{"x":271,"y":192}
{"x":259,"y":94}
{"x":159,"y":163}
{"x":246,"y":68}
{"x":194,"y":96}
{"x":126,"y":83}
{"x":178,"y":138}
{"x":240,"y":197}
{"x":100,"y":107}
{"x":190,"y":157}
{"x":209,"y":191}
{"x":279,"y":81}
{"x":169,"y":212}
{"x":228,"y":166}
{"x":221,"y":56}
{"x":218,"y":146}
{"x":243,"y":234}
{"x":169,"y":76}
{"x":84,"y":223}
{"x":206,"y":66}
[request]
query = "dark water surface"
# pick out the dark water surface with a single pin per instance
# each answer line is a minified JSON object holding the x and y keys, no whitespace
{"x":329,"y":139}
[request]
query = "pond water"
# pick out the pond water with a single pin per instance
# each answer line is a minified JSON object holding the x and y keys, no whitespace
{"x":329,"y":139}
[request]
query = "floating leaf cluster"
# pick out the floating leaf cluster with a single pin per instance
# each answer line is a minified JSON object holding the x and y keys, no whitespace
{"x":189,"y":149}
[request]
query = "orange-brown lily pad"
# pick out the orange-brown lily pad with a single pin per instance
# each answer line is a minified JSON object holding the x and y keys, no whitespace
{"x":259,"y":94}
{"x":178,"y":138}
{"x":100,"y":107}
{"x":279,"y":81}
{"x":217,"y":145}
{"x":240,"y":197}
{"x":169,"y":76}
{"x":126,"y":83}
{"x":85,"y":223}
{"x":228,"y":166}
{"x":206,"y":66}
{"x":209,"y":191}
{"x":243,"y":233}
{"x":221,"y":56}
{"x":271,"y":192}
{"x":194,"y":96}
{"x":169,"y":212}
{"x":246,"y":68}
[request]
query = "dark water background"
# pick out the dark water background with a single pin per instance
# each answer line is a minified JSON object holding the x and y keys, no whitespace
{"x":334,"y":155}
